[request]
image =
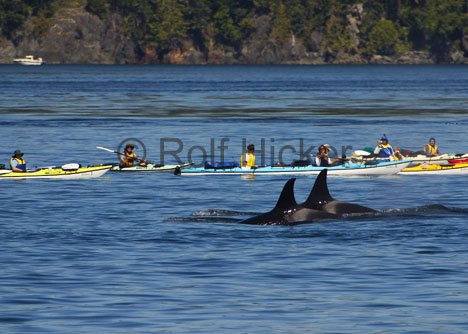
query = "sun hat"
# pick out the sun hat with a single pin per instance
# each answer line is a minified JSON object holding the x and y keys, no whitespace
{"x":19,"y":153}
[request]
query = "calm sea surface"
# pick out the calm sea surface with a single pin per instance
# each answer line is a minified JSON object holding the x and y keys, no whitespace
{"x":158,"y":253}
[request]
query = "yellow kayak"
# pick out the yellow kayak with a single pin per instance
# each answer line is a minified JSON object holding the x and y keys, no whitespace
{"x":64,"y":172}
{"x":429,"y":169}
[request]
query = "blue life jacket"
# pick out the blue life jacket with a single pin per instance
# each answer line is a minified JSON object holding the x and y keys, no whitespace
{"x":386,"y":151}
{"x":20,"y":163}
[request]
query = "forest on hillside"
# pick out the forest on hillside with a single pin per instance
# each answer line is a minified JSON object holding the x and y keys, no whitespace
{"x":387,"y":27}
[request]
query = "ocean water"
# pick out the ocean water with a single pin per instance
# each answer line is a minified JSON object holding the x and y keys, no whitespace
{"x":158,"y":253}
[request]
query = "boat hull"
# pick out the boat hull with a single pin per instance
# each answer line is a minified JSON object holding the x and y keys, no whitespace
{"x":457,"y":169}
{"x":28,"y":63}
{"x":150,"y":168}
{"x":29,"y":60}
{"x":386,"y":168}
{"x":58,"y":173}
{"x":458,"y":161}
{"x":444,"y":159}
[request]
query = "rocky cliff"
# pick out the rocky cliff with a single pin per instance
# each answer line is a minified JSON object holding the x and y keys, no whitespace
{"x":75,"y":36}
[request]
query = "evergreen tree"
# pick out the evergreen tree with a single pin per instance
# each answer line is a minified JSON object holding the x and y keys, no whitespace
{"x":13,"y":13}
{"x":98,"y":7}
{"x":337,"y":38}
{"x":166,"y":24}
{"x":281,"y":26}
{"x":384,"y":39}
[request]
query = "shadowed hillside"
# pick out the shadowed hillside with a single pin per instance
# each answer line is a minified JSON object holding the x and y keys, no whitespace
{"x":237,"y":31}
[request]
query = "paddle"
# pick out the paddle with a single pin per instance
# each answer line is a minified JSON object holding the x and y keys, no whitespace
{"x":112,"y":151}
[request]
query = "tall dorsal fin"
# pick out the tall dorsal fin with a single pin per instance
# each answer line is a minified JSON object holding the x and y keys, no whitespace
{"x":319,"y":194}
{"x":287,"y":199}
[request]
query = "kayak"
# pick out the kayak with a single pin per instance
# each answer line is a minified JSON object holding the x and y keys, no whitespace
{"x":363,"y":155}
{"x":150,"y":168}
{"x":58,"y":172}
{"x":427,"y":169}
{"x":458,"y":161}
{"x":350,"y":169}
{"x":443,"y":159}
{"x":416,"y":157}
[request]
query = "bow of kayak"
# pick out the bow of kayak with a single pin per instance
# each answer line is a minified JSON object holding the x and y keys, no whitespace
{"x":58,"y":173}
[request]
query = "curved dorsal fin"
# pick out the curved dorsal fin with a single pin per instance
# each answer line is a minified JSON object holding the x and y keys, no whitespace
{"x":319,"y":194}
{"x":287,"y":199}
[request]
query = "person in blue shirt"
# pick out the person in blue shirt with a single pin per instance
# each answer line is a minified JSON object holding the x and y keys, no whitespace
{"x":17,"y":163}
{"x":385,"y":150}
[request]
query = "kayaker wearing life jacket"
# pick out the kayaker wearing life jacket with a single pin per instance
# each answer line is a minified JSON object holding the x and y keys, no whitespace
{"x":431,"y":149}
{"x":322,"y":158}
{"x":248,"y":159}
{"x":128,"y":158}
{"x":384,"y":149}
{"x":17,"y":163}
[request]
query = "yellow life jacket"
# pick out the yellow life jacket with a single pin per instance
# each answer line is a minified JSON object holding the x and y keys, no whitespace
{"x":127,"y":162}
{"x":21,"y":163}
{"x":247,"y":160}
{"x":429,"y":150}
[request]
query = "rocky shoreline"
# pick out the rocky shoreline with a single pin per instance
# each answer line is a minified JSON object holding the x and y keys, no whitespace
{"x":75,"y":36}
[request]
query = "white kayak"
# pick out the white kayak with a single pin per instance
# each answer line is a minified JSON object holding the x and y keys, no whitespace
{"x":69,"y":171}
{"x":437,"y":160}
{"x":417,"y":159}
{"x":347,"y":169}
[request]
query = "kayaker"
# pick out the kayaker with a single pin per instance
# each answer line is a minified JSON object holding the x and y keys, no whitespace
{"x":322,"y":158}
{"x":128,"y":158}
{"x":397,"y":154}
{"x":248,"y":159}
{"x":384,"y":149}
{"x":431,"y":149}
{"x":17,"y":163}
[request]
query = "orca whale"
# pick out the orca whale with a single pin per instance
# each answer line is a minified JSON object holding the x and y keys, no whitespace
{"x":287,"y":211}
{"x":320,"y":199}
{"x":318,"y":206}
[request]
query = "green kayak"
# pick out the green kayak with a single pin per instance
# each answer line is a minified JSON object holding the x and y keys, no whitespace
{"x":151,"y":168}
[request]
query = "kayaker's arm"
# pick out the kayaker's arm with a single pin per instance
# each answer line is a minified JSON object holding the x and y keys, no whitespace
{"x":17,"y":170}
{"x":122,"y":156}
{"x":14,"y":167}
{"x":124,"y":160}
{"x":139,"y":160}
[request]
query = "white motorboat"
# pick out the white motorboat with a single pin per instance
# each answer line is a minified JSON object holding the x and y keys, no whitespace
{"x":29,"y":60}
